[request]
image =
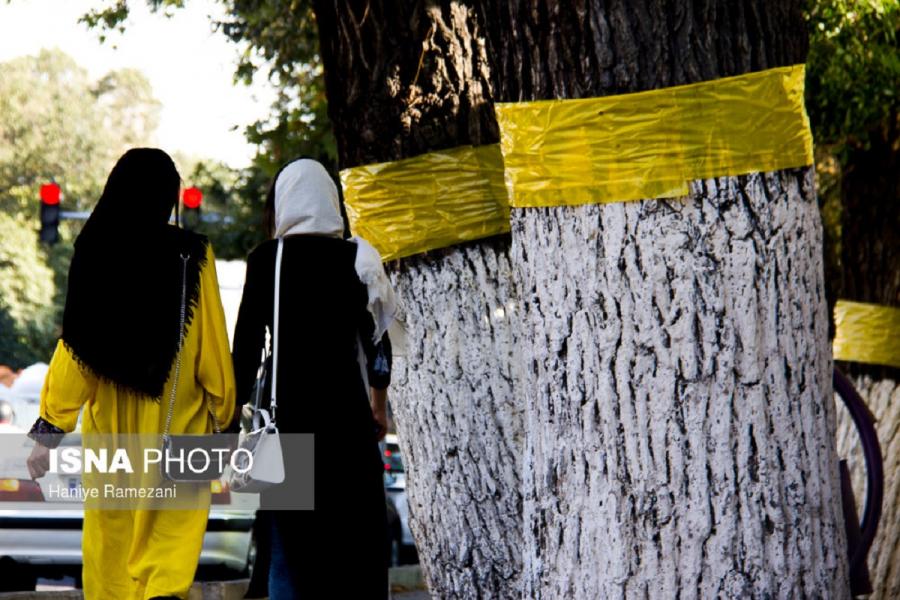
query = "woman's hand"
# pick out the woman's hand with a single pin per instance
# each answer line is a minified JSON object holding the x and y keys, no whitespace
{"x":379,"y":412}
{"x":39,"y":461}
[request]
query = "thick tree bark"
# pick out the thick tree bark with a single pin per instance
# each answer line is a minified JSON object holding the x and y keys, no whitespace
{"x":678,"y":440}
{"x":870,"y":262}
{"x":402,"y":79}
{"x":460,"y":423}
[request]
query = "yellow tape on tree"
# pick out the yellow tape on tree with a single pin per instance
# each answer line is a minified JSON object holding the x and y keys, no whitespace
{"x":651,"y":144}
{"x":867,"y":333}
{"x":595,"y":150}
{"x":430,"y":201}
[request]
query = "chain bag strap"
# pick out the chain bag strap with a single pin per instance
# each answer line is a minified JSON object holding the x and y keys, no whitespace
{"x":167,"y":440}
{"x":181,"y":318}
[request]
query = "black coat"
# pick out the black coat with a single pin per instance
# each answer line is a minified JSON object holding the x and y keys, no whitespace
{"x":321,"y":391}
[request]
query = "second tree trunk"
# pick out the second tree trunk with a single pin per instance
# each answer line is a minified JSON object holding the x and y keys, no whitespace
{"x":678,"y":438}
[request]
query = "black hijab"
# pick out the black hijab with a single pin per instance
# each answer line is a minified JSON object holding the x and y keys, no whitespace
{"x":124,"y":296}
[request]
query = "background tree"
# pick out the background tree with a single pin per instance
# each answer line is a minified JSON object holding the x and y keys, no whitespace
{"x":274,"y":37}
{"x":279,"y":39}
{"x":235,"y":199}
{"x":679,"y":440}
{"x":282,"y":38}
{"x":404,"y":79}
{"x":52,"y":127}
{"x":27,"y":313}
{"x":55,"y":124}
{"x":128,"y":110}
{"x":854,"y":78}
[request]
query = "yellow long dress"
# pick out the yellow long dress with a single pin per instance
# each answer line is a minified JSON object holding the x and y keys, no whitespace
{"x":140,"y":554}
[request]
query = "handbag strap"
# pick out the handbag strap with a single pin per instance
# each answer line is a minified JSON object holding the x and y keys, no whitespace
{"x":275,"y":310}
{"x":181,"y":316}
{"x":174,"y":390}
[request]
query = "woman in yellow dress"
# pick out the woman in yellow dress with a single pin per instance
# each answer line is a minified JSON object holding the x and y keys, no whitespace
{"x":116,"y":363}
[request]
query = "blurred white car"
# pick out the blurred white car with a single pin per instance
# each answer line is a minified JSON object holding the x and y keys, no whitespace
{"x":49,"y":538}
{"x":25,"y":395}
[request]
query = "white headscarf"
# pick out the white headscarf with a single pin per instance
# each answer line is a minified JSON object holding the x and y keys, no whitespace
{"x":306,"y":202}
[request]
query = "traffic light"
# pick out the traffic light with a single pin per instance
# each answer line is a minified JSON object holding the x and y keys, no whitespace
{"x":192,"y":199}
{"x":50,"y":194}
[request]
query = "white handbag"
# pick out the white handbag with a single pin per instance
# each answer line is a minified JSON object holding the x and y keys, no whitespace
{"x":258,"y":462}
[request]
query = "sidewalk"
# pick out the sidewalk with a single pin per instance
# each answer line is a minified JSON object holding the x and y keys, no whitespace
{"x":206,"y":591}
{"x":406,"y":584}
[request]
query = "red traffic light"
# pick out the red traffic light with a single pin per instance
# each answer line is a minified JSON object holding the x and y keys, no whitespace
{"x":50,"y":193}
{"x":192,"y":197}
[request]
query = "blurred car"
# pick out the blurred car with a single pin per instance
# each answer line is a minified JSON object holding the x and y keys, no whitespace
{"x":404,"y":550}
{"x":48,"y":538}
{"x":24,"y":396}
{"x":48,"y":541}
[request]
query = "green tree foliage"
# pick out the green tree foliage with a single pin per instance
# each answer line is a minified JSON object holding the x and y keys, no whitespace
{"x":853,"y":69}
{"x":55,"y":124}
{"x":853,"y":78}
{"x":49,"y":130}
{"x":129,"y":112}
{"x":235,"y":198}
{"x":277,"y":37}
{"x":281,"y":37}
{"x":28,"y":314}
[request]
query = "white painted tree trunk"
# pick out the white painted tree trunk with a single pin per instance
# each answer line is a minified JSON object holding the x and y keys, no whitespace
{"x":679,"y":422}
{"x":883,"y":398}
{"x":459,"y":422}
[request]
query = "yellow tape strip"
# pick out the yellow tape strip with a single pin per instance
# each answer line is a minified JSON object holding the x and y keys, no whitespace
{"x":867,"y":333}
{"x":595,"y":150}
{"x":651,"y":144}
{"x":430,"y":201}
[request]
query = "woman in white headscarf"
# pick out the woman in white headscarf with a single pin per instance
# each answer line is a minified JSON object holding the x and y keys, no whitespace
{"x":333,"y":371}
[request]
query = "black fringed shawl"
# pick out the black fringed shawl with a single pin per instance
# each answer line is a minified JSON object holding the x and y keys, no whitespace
{"x":124,"y":295}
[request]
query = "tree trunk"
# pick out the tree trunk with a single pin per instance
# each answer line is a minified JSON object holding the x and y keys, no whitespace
{"x":870,"y":257}
{"x":678,"y":440}
{"x":459,"y":422}
{"x":403,"y":79}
